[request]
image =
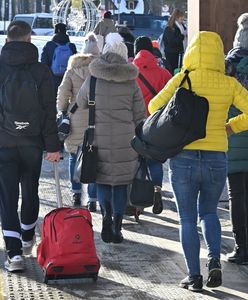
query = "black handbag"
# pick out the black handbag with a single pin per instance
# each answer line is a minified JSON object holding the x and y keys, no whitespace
{"x":142,"y":189}
{"x":86,"y":164}
{"x":177,"y":124}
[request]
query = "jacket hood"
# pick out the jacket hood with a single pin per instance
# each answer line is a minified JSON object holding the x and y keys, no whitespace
{"x":236,"y":54}
{"x":145,"y":60}
{"x":243,"y":20}
{"x":241,"y":36}
{"x":206,"y":51}
{"x":61,"y":38}
{"x":80,"y":60}
{"x":17,"y":53}
{"x":112,"y":67}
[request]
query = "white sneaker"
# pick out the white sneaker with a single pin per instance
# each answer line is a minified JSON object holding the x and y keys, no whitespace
{"x":28,"y":246}
{"x":16,"y":263}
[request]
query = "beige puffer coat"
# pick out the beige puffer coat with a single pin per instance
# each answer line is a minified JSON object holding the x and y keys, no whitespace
{"x":74,"y":77}
{"x":119,"y":108}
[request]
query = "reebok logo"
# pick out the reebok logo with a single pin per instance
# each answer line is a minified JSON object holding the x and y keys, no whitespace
{"x":21,"y":125}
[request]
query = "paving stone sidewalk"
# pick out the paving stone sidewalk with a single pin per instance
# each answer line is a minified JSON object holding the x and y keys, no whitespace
{"x":147,"y":265}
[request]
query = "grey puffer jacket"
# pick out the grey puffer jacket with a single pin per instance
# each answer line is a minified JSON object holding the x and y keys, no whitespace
{"x":119,"y":108}
{"x":74,"y":77}
{"x":104,"y":27}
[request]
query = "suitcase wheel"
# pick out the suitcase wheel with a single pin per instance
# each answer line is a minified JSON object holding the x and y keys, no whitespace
{"x":95,"y":277}
{"x":45,"y":279}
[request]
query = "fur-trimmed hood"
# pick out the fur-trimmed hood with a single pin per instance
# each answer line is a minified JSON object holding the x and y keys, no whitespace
{"x":80,"y":60}
{"x":112,"y":67}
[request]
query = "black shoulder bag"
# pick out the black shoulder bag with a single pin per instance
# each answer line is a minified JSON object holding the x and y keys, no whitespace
{"x":142,"y":189}
{"x":177,"y":124}
{"x":85,"y":169}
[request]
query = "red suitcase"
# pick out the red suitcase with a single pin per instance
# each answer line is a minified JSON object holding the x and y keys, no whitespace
{"x":67,"y":248}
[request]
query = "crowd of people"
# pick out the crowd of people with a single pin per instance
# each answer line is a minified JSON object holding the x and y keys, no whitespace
{"x":134,"y":78}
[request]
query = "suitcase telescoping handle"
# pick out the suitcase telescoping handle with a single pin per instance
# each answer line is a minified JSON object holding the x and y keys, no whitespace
{"x":57,"y":184}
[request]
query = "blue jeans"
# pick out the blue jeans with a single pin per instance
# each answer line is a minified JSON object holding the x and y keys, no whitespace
{"x":198,"y":178}
{"x":156,"y":171}
{"x":77,"y":187}
{"x":116,"y":195}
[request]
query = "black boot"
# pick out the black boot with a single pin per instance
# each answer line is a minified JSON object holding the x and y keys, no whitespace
{"x":240,"y":252}
{"x":76,"y":197}
{"x":107,"y":231}
{"x":118,"y":237}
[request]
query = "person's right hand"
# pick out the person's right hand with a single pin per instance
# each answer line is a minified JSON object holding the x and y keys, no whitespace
{"x":52,"y":156}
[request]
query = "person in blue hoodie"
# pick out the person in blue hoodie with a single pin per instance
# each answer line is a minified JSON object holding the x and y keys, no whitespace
{"x":237,"y":66}
{"x":60,"y":38}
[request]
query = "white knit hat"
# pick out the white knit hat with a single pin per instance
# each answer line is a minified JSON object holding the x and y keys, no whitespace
{"x":91,"y":46}
{"x":114,"y":43}
{"x":241,"y":37}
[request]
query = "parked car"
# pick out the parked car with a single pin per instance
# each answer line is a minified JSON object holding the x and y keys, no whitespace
{"x":141,"y":24}
{"x":41,"y":23}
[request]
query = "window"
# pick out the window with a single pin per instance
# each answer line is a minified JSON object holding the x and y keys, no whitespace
{"x":130,"y":5}
{"x":28,"y":20}
{"x":43,"y":23}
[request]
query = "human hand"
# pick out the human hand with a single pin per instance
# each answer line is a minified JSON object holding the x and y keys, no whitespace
{"x":52,"y":156}
{"x":229,"y":130}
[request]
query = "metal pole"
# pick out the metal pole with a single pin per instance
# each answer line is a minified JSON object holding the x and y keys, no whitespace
{"x":106,"y":5}
{"x":4,"y":21}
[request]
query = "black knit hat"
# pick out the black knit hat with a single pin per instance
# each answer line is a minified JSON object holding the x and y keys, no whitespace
{"x":143,"y":43}
{"x":60,"y":28}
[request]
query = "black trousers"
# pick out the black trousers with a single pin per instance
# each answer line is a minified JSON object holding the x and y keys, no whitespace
{"x":19,"y":166}
{"x":238,"y":196}
{"x":173,"y":59}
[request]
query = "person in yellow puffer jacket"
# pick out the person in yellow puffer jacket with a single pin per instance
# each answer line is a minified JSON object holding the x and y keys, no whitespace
{"x":198,"y":173}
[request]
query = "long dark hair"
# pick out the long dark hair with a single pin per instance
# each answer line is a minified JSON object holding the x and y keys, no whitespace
{"x":175,"y":15}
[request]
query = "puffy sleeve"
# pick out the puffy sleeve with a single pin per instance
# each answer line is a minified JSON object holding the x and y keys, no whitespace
{"x":165,"y":94}
{"x":65,"y":92}
{"x":139,"y":111}
{"x":240,"y":101}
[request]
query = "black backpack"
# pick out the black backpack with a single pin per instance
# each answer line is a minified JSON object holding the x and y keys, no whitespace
{"x":21,"y":112}
{"x":177,"y":124}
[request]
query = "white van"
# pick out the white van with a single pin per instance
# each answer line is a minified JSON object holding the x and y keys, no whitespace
{"x":41,"y":23}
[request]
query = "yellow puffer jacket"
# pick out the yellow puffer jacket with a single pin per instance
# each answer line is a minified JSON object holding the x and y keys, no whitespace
{"x":204,"y":58}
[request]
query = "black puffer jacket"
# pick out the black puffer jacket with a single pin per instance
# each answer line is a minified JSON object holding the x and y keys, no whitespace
{"x":23,"y":53}
{"x":173,"y":40}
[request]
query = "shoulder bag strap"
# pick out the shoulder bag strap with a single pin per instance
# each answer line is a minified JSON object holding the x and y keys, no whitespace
{"x":186,"y":78}
{"x":92,"y":106}
{"x":147,"y":84}
{"x":74,"y":108}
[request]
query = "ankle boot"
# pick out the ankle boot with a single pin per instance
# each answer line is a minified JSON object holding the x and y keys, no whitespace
{"x":107,"y":231}
{"x":158,"y":204}
{"x":117,"y":237}
{"x":240,"y":252}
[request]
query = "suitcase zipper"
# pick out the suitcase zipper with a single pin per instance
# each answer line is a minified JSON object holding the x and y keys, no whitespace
{"x":53,"y":225}
{"x":80,"y":217}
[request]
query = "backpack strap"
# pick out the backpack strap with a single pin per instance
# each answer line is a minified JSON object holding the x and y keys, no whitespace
{"x":186,"y":78}
{"x":147,"y":84}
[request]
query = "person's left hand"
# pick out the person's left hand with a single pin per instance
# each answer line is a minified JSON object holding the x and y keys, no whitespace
{"x":229,"y":130}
